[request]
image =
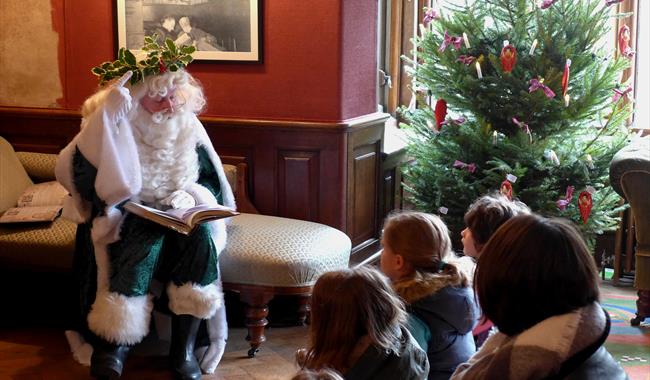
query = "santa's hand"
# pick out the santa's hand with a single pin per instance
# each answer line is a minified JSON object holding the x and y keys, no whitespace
{"x":179,"y":199}
{"x":118,"y":99}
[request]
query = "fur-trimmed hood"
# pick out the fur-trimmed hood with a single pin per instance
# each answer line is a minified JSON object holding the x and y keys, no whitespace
{"x":423,"y":284}
{"x":439,"y":297}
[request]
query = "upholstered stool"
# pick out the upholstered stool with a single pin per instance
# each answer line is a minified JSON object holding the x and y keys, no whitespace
{"x":268,"y":255}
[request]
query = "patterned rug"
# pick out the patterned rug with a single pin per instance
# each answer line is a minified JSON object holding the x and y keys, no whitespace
{"x":629,"y":345}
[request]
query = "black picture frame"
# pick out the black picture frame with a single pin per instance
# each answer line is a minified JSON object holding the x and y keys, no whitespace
{"x":221,"y":30}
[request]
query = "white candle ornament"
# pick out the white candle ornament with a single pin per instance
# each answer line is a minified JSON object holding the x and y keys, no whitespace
{"x":494,"y":138}
{"x":466,"y":40}
{"x":532,"y":47}
{"x":567,"y":98}
{"x":478,"y":70}
{"x":506,"y":43}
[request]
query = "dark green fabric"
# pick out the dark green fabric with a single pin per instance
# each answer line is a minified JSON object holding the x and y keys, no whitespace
{"x":84,"y":175}
{"x":148,"y":250}
{"x":208,"y":177}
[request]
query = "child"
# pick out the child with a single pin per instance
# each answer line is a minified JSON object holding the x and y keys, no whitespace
{"x":484,"y":217}
{"x":417,"y":257}
{"x":358,"y":329}
{"x":538,"y":283}
{"x":323,"y":374}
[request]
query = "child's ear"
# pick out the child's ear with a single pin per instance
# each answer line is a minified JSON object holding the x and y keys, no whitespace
{"x":399,"y":262}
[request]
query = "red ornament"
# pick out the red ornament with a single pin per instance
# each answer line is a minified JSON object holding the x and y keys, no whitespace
{"x":565,"y":77}
{"x":624,"y":42}
{"x":584,"y":204}
{"x":161,"y":67}
{"x":508,"y":58}
{"x":506,"y":189}
{"x":441,"y":112}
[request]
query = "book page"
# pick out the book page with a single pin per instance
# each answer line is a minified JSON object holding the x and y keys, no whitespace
{"x":30,"y":214}
{"x":43,"y":194}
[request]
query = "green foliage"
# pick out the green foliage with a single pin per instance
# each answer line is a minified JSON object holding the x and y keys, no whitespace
{"x":584,"y":135}
{"x":158,"y":57}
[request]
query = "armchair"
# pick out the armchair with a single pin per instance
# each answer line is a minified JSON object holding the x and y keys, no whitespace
{"x":630,"y":177}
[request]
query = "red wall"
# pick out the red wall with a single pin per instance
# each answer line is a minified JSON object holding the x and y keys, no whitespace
{"x":319,"y":60}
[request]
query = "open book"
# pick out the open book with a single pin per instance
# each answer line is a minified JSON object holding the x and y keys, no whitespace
{"x":38,"y":203}
{"x":182,"y":220}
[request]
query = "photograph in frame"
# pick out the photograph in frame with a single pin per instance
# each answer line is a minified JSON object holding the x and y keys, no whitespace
{"x":222,"y":30}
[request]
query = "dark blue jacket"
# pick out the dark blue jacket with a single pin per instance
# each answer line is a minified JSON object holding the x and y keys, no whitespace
{"x":444,"y":319}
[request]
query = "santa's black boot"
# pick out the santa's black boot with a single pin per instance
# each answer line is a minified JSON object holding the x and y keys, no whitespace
{"x":108,"y":360}
{"x":181,"y":353}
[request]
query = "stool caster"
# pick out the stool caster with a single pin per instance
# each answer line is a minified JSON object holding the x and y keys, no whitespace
{"x":252,"y":352}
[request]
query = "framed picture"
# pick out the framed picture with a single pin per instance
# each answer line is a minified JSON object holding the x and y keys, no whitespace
{"x":221,"y":30}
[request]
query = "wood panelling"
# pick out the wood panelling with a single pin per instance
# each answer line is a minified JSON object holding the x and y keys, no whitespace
{"x":323,"y":172}
{"x":298,"y":175}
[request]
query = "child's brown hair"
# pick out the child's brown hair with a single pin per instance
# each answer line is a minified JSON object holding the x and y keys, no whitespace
{"x":534,"y":268}
{"x":423,"y":241}
{"x":348,"y":305}
{"x":487,"y":213}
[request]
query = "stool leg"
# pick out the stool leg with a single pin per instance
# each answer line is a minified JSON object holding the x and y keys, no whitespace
{"x":642,"y":307}
{"x":256,"y":311}
{"x":304,"y":308}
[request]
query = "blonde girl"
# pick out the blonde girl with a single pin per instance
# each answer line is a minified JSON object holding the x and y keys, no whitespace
{"x":418,"y":259}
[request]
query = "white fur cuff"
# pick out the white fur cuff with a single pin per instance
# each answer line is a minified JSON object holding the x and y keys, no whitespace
{"x":199,"y":301}
{"x":120,"y":319}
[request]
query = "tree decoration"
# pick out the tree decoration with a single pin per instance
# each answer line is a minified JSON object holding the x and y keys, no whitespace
{"x":624,"y":47}
{"x":158,"y":60}
{"x":430,"y":14}
{"x":585,"y":203}
{"x":466,"y":40}
{"x":550,"y":155}
{"x":545,"y":4}
{"x":479,"y":73}
{"x":457,"y":121}
{"x":562,"y":203}
{"x":524,"y":127}
{"x":508,"y":57}
{"x":565,"y":77}
{"x":532,"y":47}
{"x":465,"y":59}
{"x":471,"y":168}
{"x":618,"y":94}
{"x":506,"y":189}
{"x":440,"y":112}
{"x":455,"y":41}
{"x":538,"y":84}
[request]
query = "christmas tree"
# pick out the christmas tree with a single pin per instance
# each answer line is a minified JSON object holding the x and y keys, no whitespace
{"x":518,"y":97}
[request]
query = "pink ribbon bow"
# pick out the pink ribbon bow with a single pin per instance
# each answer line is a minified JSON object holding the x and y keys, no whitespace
{"x":450,"y":40}
{"x":461,"y":165}
{"x":524,"y":127}
{"x":562,"y":203}
{"x":429,"y":16}
{"x":535,"y":84}
{"x":547,"y":3}
{"x":466,"y":59}
{"x":618,"y":94}
{"x":458,"y":121}
{"x":609,"y":3}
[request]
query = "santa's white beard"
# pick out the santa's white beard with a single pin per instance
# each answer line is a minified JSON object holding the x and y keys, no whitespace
{"x":167,"y":153}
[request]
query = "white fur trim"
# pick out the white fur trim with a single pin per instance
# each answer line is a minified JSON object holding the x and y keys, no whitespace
{"x":120,"y":319}
{"x":81,"y":351}
{"x":199,"y":301}
{"x":210,"y":356}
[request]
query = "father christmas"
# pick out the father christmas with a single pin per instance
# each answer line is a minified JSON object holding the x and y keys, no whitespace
{"x":141,"y":140}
